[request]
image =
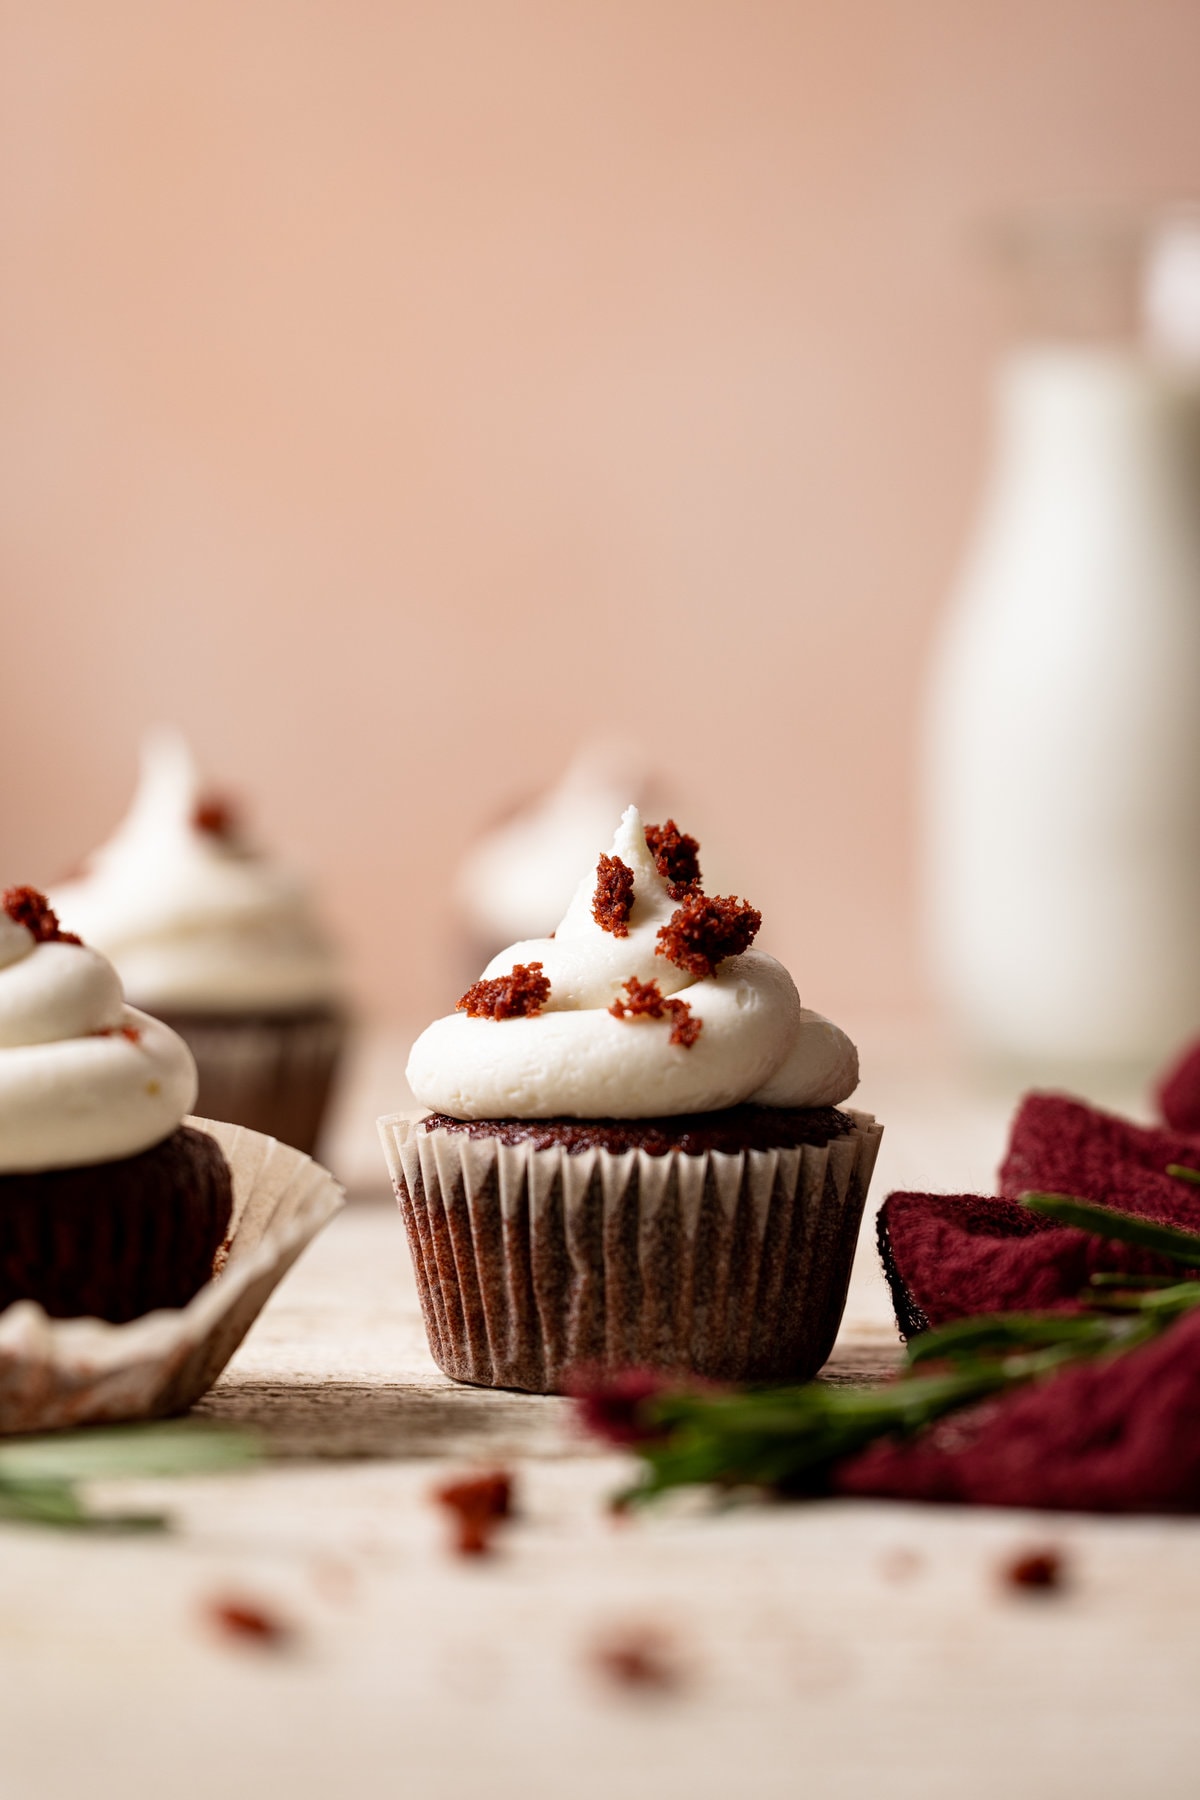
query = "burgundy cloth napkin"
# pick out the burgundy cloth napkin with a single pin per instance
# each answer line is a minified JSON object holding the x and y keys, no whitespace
{"x":1117,"y":1435}
{"x":1179,"y":1091}
{"x":948,"y":1256}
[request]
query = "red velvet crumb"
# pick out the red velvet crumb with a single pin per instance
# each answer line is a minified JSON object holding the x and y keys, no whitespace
{"x":246,"y":1619}
{"x":705,"y":930}
{"x":478,"y":1503}
{"x":216,"y":816}
{"x":515,"y":996}
{"x":31,"y":909}
{"x":1036,"y":1569}
{"x":613,"y":900}
{"x":645,"y":1000}
{"x":676,"y":856}
{"x":639,"y":1656}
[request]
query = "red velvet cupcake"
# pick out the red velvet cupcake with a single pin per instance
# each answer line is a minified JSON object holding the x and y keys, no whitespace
{"x":109,"y":1205}
{"x":636,"y":1152}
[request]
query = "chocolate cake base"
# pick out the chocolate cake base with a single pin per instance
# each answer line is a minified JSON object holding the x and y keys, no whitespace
{"x":544,"y":1248}
{"x":733,"y":1130}
{"x":272,"y":1072}
{"x":116,"y":1240}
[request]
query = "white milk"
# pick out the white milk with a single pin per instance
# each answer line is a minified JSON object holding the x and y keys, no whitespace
{"x":1062,"y":755}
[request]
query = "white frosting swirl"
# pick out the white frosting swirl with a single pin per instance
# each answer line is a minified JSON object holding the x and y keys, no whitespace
{"x":574,"y":1059}
{"x":189,"y":917}
{"x":83,"y":1077}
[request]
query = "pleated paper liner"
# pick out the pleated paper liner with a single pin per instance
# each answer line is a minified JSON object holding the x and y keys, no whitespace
{"x":270,"y":1073}
{"x":62,"y":1372}
{"x":533,"y":1264}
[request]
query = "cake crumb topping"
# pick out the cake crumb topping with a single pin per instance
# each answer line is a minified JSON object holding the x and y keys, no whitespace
{"x":515,"y":996}
{"x":27,"y":907}
{"x":613,"y":901}
{"x":706,"y":929}
{"x":645,"y":1000}
{"x":216,"y":816}
{"x":676,"y":857}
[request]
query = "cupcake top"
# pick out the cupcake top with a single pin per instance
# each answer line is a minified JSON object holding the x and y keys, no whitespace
{"x":191,"y":915}
{"x":83,"y":1077}
{"x":647,"y":1001}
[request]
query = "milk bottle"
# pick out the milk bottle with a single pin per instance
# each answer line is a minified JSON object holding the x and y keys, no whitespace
{"x":1062,"y":749}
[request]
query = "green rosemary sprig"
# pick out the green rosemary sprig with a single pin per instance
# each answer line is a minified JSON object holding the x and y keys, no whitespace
{"x":1118,"y":1227}
{"x":40,"y":1476}
{"x":787,"y":1438}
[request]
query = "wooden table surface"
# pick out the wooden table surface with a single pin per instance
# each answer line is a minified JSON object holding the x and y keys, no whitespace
{"x":826,"y":1649}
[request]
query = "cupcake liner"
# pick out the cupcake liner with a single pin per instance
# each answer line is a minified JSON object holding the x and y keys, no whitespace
{"x":63,"y":1372}
{"x":269,"y":1073}
{"x":534,"y":1263}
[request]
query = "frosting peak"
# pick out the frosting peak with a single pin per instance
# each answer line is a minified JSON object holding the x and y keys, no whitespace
{"x":626,"y":1030}
{"x":83,"y":1077}
{"x":192,"y":917}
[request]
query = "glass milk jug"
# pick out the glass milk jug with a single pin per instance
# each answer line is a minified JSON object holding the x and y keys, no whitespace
{"x":1062,"y":745}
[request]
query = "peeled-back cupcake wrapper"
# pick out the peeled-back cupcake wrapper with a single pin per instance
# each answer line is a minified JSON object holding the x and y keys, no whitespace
{"x":63,"y":1372}
{"x":533,"y":1263}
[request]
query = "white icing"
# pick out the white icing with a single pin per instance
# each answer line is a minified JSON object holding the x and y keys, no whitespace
{"x":190,"y":919}
{"x":757,"y":1042}
{"x":75,"y":1088}
{"x":58,"y":991}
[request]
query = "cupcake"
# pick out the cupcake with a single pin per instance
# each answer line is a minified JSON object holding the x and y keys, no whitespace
{"x":109,"y":1205}
{"x":635,"y":1150}
{"x":220,"y":943}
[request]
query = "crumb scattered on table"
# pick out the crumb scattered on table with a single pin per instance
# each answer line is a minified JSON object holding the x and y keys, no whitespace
{"x":478,"y":1505}
{"x":251,"y":1621}
{"x":1035,"y":1569}
{"x":639,"y":1656}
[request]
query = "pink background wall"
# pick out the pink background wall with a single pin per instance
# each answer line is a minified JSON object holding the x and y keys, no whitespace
{"x":391,"y":393}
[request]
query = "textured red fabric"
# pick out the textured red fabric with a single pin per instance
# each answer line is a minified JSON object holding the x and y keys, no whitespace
{"x":1061,"y":1146}
{"x":1118,"y":1435}
{"x":1114,"y":1436}
{"x":948,"y":1256}
{"x":1178,"y":1091}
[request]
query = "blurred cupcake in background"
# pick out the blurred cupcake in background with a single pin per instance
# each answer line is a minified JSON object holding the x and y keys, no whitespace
{"x":221,"y":943}
{"x":517,"y":879}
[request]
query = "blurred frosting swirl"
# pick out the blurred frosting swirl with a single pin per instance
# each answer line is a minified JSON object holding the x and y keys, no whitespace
{"x":575,"y":1059}
{"x":83,"y":1077}
{"x":192,"y":918}
{"x":518,"y":876}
